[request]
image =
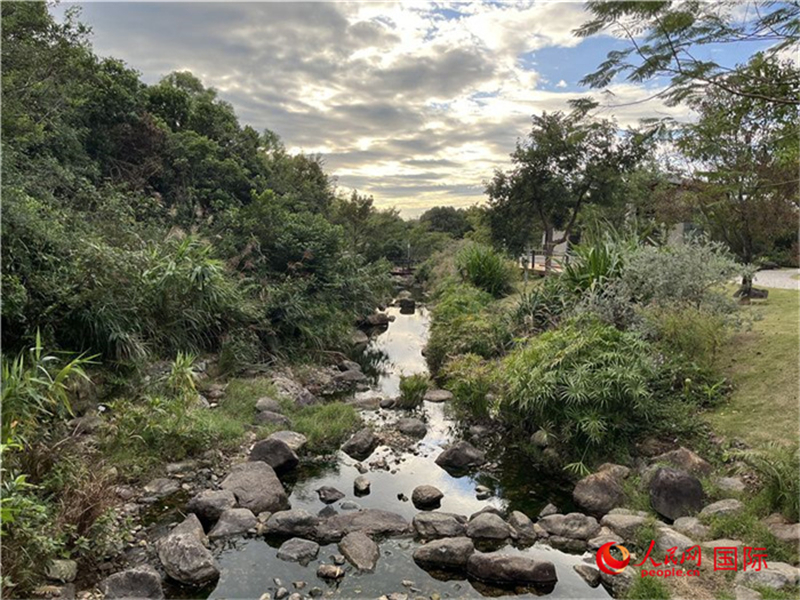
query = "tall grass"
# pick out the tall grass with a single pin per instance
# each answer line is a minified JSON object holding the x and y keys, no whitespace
{"x":486,"y":269}
{"x":778,"y":468}
{"x":412,"y":390}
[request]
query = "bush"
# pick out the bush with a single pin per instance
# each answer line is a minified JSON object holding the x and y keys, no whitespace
{"x":412,"y":390}
{"x":592,"y":265}
{"x":693,"y":333}
{"x":464,"y":323}
{"x":542,"y":307}
{"x":470,"y":378}
{"x":586,"y":384}
{"x":486,"y":269}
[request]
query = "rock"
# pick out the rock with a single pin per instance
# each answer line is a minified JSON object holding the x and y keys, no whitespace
{"x":292,"y":523}
{"x":360,"y":550}
{"x":330,"y":572}
{"x":675,"y":494}
{"x":359,"y":339}
{"x":298,"y":550}
{"x":295,"y":441}
{"x":685,"y":460}
{"x":234,"y":521}
{"x":184,"y":466}
{"x":281,"y":593}
{"x":511,"y":570}
{"x":276,"y":454}
{"x":371,"y":403}
{"x":539,"y":439}
{"x":786,"y":532}
{"x":692,"y":527}
{"x":744,"y":593}
{"x":488,"y":527}
{"x":257,"y":487}
{"x":566,"y":544}
{"x":723,"y":507}
{"x":361,"y":486}
{"x":599,"y":492}
{"x":388,"y":402}
{"x":268,"y":404}
{"x":350,"y":505}
{"x":667,"y":538}
{"x":137,"y":582}
{"x":267,"y":417}
{"x":460,"y":455}
{"x":438,"y":525}
{"x":730,"y":485}
{"x":210,"y":504}
{"x":412,"y":427}
{"x":776,"y":576}
{"x":162,"y":487}
{"x":588,"y":573}
{"x":436,"y":395}
{"x":407,"y":305}
{"x":604,"y":537}
{"x":618,"y":471}
{"x":294,"y":391}
{"x":361,"y":445}
{"x":623,"y":525}
{"x":620,"y":583}
{"x":574,"y":525}
{"x":329,"y":495}
{"x":448,"y":554}
{"x":522,"y":527}
{"x":482,"y":492}
{"x":549,"y":509}
{"x":191,"y":525}
{"x":721,"y":543}
{"x":186,"y":559}
{"x":62,"y":570}
{"x":327,"y":512}
{"x":426,"y":497}
{"x":373,"y":522}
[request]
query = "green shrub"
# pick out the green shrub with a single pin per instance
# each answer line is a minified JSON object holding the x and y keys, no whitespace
{"x":486,"y":269}
{"x":412,"y":390}
{"x":695,"y":334}
{"x":586,"y":384}
{"x":470,"y":378}
{"x":778,"y":468}
{"x":590,"y":266}
{"x":648,"y":588}
{"x":542,"y":307}
{"x":464,"y":321}
{"x":327,"y":426}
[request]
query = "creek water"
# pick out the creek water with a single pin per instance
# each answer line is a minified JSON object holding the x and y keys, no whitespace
{"x":250,"y":566}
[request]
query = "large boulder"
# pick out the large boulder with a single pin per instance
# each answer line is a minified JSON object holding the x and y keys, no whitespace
{"x":210,"y":504}
{"x":685,"y":460}
{"x":294,"y":391}
{"x":234,"y":521}
{"x":729,"y":506}
{"x":488,"y":526}
{"x":599,"y":492}
{"x":776,"y":575}
{"x":436,"y":395}
{"x":667,"y":538}
{"x":426,"y":497}
{"x":137,"y":582}
{"x":675,"y":494}
{"x":257,"y":487}
{"x":360,"y":550}
{"x":576,"y":526}
{"x":623,"y":525}
{"x":507,"y":570}
{"x":361,"y":444}
{"x":185,"y":557}
{"x":329,"y":495}
{"x":692,"y":527}
{"x":298,"y":550}
{"x":267,"y":403}
{"x":373,"y":522}
{"x":412,"y":427}
{"x":276,"y":454}
{"x":786,"y":532}
{"x":292,"y":523}
{"x":460,"y":455}
{"x":295,"y":441}
{"x":268,"y":417}
{"x":438,"y":525}
{"x":447,"y":554}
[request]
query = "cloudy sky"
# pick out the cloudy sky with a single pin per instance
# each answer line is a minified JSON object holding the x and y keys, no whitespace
{"x":414,"y":103}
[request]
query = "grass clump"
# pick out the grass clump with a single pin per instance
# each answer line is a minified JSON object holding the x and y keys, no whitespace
{"x":412,"y":390}
{"x":470,"y":378}
{"x":648,"y":588}
{"x":748,"y":528}
{"x":486,"y":269}
{"x":778,"y":468}
{"x":326,"y":426}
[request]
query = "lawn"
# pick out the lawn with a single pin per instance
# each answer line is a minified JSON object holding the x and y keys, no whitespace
{"x":763,"y":365}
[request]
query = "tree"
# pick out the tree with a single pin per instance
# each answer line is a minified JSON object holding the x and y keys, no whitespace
{"x":744,"y":154}
{"x":446,"y":219}
{"x":567,"y":162}
{"x":676,"y":40}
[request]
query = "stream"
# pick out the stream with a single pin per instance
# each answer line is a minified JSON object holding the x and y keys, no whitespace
{"x":250,"y":566}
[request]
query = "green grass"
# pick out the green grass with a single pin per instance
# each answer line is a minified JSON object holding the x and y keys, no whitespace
{"x":748,"y":528}
{"x":648,"y":588}
{"x":763,"y":365}
{"x":767,"y":593}
{"x":326,"y":426}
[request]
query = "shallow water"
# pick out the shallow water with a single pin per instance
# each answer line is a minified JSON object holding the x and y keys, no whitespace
{"x":249,"y":566}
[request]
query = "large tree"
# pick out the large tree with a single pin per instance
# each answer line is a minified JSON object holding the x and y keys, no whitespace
{"x":567,"y":162}
{"x":677,"y":40}
{"x":743,"y":154}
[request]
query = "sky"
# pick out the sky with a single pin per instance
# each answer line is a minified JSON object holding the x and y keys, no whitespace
{"x":414,"y":103}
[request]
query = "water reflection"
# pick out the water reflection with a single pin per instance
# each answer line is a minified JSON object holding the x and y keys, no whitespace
{"x":249,"y":565}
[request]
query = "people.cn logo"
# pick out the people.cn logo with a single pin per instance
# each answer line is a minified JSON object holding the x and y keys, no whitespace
{"x":610,"y":565}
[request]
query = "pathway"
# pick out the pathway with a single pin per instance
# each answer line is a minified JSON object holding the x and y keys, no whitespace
{"x":785,"y":279}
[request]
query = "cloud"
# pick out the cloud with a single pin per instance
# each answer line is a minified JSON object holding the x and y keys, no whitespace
{"x":414,"y":103}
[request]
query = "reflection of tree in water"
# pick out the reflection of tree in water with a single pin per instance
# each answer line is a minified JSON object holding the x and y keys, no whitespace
{"x":374,"y":362}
